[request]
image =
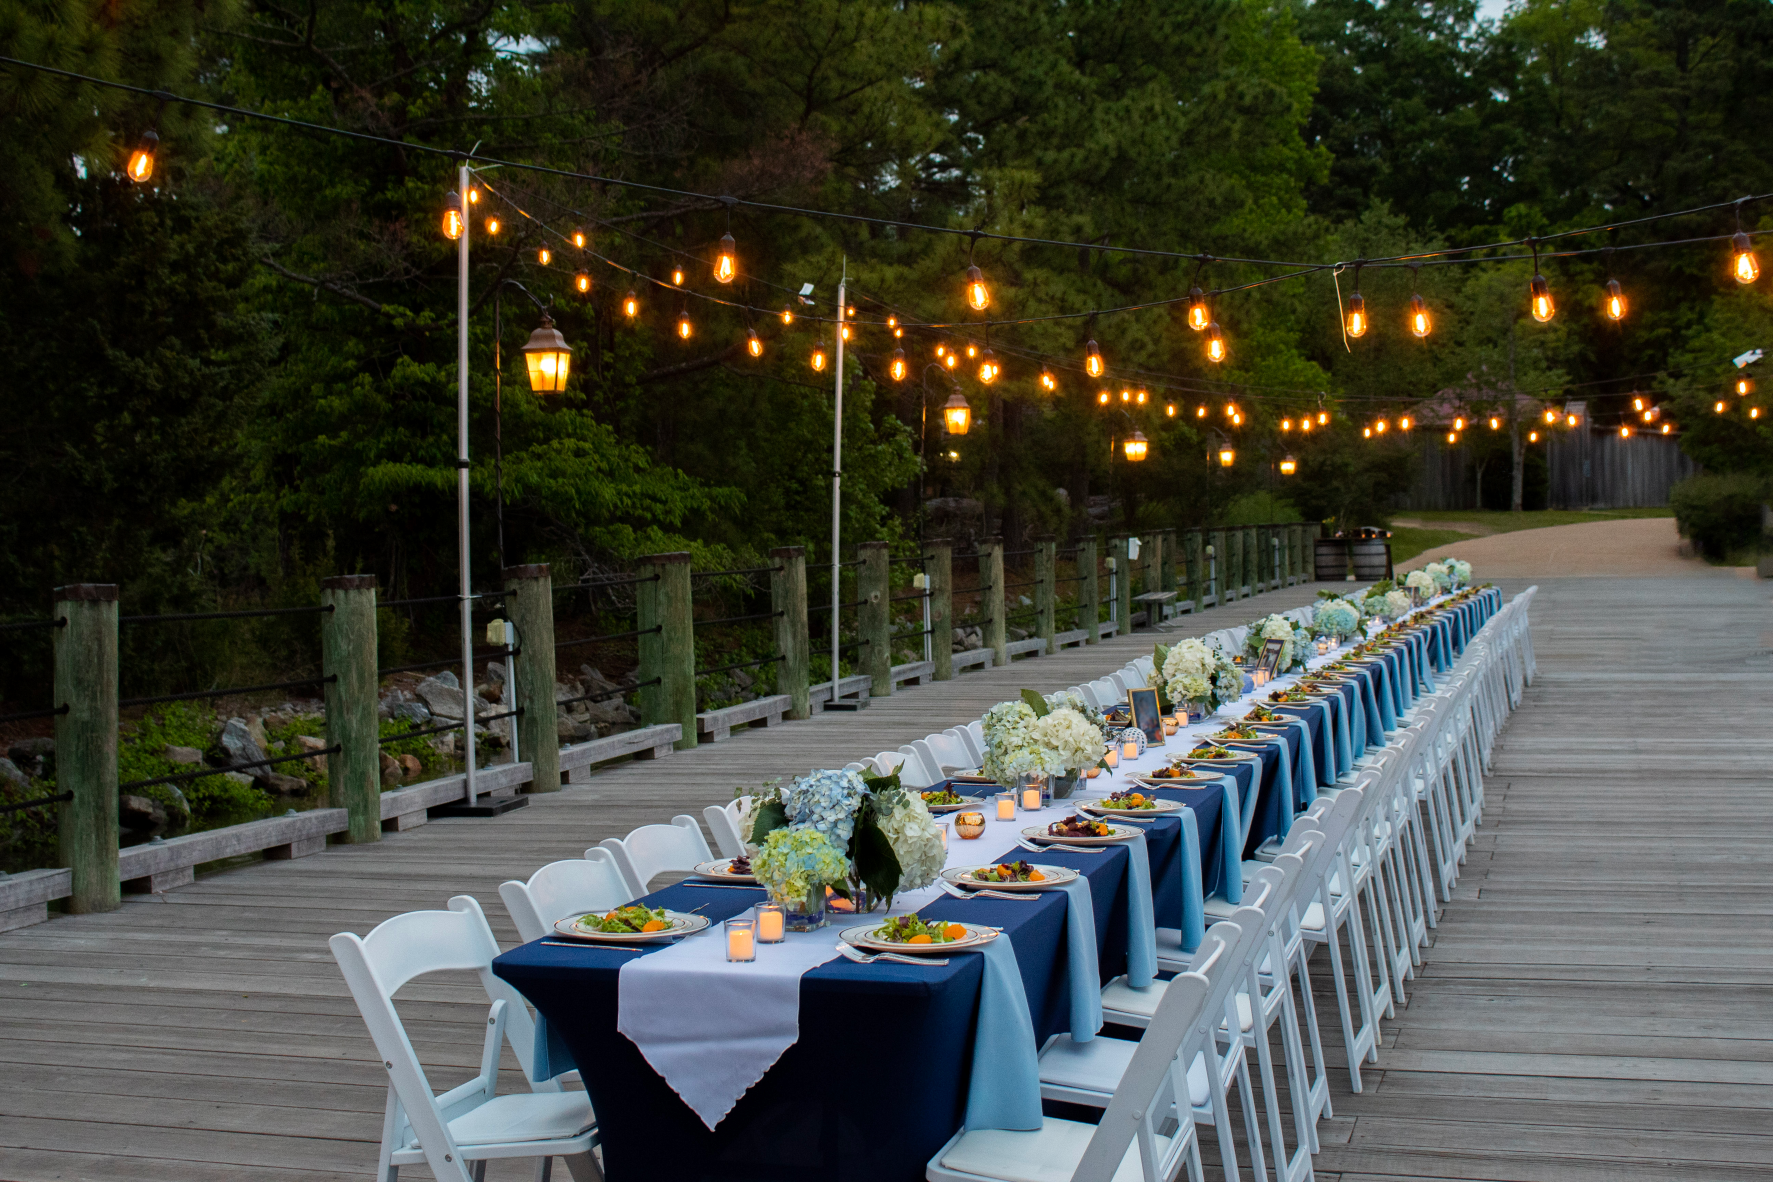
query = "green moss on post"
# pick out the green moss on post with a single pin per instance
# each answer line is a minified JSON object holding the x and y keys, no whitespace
{"x":1123,"y":585}
{"x":997,"y":637}
{"x":1192,"y":547}
{"x":1166,"y":580}
{"x":875,"y":616}
{"x":348,"y":658}
{"x":793,"y":645}
{"x":86,"y":741}
{"x":1089,"y":591}
{"x":530,"y":604}
{"x":1216,"y":566}
{"x":938,"y":558}
{"x":1046,"y":562}
{"x":1252,"y":569}
{"x":668,"y":654}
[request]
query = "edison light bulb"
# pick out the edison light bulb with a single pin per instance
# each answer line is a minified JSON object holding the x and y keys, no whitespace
{"x":1458,"y":424}
{"x":1745,"y":385}
{"x":1357,"y":315}
{"x":1420,"y":322}
{"x":1198,"y":318}
{"x":492,"y":225}
{"x":677,"y":276}
{"x":978,"y":295}
{"x":1286,"y":424}
{"x":988,"y":367}
{"x":1215,"y":342}
{"x":1539,"y":293}
{"x":787,"y":316}
{"x":630,"y":304}
{"x":1380,"y":426}
{"x":1615,"y":304}
{"x":684,"y":328}
{"x":1102,"y":398}
{"x":897,"y":368}
{"x":141,"y":161}
{"x":753,"y":345}
{"x":726,"y":263}
{"x":543,"y":257}
{"x":1048,"y":382}
{"x":1093,"y":363}
{"x":579,"y":239}
{"x":452,"y":217}
{"x":582,"y":281}
{"x":1744,"y":266}
{"x":818,"y":359}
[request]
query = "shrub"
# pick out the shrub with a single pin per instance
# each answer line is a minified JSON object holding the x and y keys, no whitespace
{"x":1719,"y":513}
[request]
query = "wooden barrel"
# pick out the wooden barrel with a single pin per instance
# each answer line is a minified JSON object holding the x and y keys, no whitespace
{"x":1332,"y":560}
{"x":1372,"y":559}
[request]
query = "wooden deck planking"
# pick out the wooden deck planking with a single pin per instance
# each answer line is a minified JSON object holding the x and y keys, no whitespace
{"x":206,"y":1034}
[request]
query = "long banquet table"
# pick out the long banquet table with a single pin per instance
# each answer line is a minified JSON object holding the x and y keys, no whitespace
{"x":878,"y":1077}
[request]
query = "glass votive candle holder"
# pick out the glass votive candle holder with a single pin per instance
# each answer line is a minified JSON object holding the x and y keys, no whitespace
{"x":942,"y":831}
{"x":772,"y":922}
{"x":1006,"y":806}
{"x":1111,"y":757}
{"x":1170,"y":724}
{"x":969,"y":825}
{"x":1031,"y":798}
{"x":741,"y":939}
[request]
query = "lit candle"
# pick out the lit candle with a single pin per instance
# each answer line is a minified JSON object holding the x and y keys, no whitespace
{"x":1006,"y":806}
{"x":1170,"y":725}
{"x":772,"y":922}
{"x":1111,"y":757}
{"x":942,"y":832}
{"x":741,"y":940}
{"x":1031,"y":800}
{"x":1090,"y":773}
{"x":1130,"y":749}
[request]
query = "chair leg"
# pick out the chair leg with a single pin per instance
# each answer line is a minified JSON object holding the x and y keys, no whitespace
{"x":544,"y":1169}
{"x":584,"y":1168}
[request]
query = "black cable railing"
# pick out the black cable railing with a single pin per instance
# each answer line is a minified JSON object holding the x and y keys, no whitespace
{"x":36,"y":804}
{"x":825,"y":607}
{"x":27,"y":715}
{"x":594,"y":584}
{"x":198,"y":695}
{"x":741,"y":665}
{"x":753,"y":570}
{"x":610,"y":636}
{"x":742,"y":619}
{"x":913,"y":595}
{"x":918,"y":561}
{"x":1019,"y":586}
{"x":450,"y":662}
{"x":842,"y":648}
{"x":438,"y":730}
{"x":240,"y":615}
{"x":488,"y":595}
{"x":23,"y":625}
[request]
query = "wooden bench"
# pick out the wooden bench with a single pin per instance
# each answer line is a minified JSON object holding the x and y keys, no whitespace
{"x":1034,"y":644}
{"x":646,"y":742}
{"x":713,"y":726}
{"x":916,"y":672}
{"x":971,"y":657}
{"x":405,"y":808}
{"x":1157,"y":604}
{"x":857,"y":686}
{"x":1075,"y":636}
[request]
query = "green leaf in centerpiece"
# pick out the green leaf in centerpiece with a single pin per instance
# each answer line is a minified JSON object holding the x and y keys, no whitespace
{"x":1036,"y":703}
{"x":876,"y":864}
{"x":886,"y":783}
{"x":770,"y":818}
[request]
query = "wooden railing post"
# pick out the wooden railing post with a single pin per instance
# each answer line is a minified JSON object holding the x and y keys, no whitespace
{"x":1217,"y":557}
{"x":938,"y":557}
{"x":793,"y":644}
{"x":1192,"y":547}
{"x":1166,"y":577}
{"x":991,"y":577}
{"x":348,"y":661}
{"x":668,"y":654}
{"x":875,"y":617}
{"x":1296,"y":552}
{"x":1089,"y":591}
{"x":1046,"y":561}
{"x":1252,"y":583}
{"x":1123,"y":585}
{"x":1151,"y":557}
{"x":529,"y":602}
{"x":86,"y":741}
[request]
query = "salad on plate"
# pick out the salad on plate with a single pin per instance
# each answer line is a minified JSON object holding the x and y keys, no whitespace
{"x":626,"y":921}
{"x":914,"y":929}
{"x":1008,"y":872}
{"x":1132,"y":800}
{"x":943,"y":796}
{"x":1076,"y":826}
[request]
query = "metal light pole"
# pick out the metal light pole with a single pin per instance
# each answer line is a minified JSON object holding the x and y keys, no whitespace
{"x":464,"y":181}
{"x":837,"y":475}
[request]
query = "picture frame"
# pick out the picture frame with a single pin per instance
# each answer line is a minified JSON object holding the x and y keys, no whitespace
{"x":1269,"y":661}
{"x":1147,"y":714}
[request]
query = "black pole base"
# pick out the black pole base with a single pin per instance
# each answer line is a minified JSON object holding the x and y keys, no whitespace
{"x":481,"y":808}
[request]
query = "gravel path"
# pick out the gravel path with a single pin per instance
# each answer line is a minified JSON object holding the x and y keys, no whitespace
{"x":1644,"y":546}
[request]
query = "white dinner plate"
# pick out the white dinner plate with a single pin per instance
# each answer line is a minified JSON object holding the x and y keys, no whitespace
{"x":939,"y":809}
{"x":863,"y":937}
{"x":1116,"y":834}
{"x":1103,"y":809}
{"x":683,"y":924}
{"x":721,"y":869}
{"x":961,"y":876}
{"x":1180,"y":782}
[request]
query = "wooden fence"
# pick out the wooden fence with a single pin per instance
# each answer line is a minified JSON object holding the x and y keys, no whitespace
{"x":1586,"y":468}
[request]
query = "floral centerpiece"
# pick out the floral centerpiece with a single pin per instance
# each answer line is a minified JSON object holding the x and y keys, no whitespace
{"x":1460,"y":571}
{"x":1337,"y":617}
{"x":866,"y":837}
{"x":1441,"y":574}
{"x":1420,"y":582}
{"x":1295,"y":642}
{"x":1397,"y":603}
{"x":1194,"y":672}
{"x":1034,"y":736}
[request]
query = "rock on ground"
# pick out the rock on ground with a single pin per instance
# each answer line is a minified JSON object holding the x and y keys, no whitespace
{"x":442,"y":694}
{"x":182,"y":755}
{"x":237,"y":744}
{"x":138,"y":813}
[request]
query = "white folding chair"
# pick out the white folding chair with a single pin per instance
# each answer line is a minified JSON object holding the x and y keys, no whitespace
{"x":658,"y":849}
{"x":723,"y":823}
{"x":920,"y":765}
{"x":971,"y":744}
{"x":560,"y":889}
{"x":470,"y":1123}
{"x":949,"y":753}
{"x":1150,"y":1091}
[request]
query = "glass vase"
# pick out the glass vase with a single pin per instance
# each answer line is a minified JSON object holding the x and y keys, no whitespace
{"x":805,"y":914}
{"x":1064,"y":786}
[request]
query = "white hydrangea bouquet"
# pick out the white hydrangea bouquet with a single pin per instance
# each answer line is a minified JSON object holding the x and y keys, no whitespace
{"x":865,"y":836}
{"x":1420,"y":581}
{"x":1397,"y":603}
{"x":1337,"y":617}
{"x":1296,"y":642}
{"x":1441,"y":574}
{"x":1034,"y":736}
{"x":1460,"y":570}
{"x":1195,"y":672}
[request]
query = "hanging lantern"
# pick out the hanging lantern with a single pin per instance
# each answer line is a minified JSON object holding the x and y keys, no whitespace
{"x":1744,"y":265}
{"x":1048,"y":382}
{"x":542,"y":256}
{"x":452,"y":217}
{"x":1615,"y":302}
{"x":1093,"y":363}
{"x":1288,"y":465}
{"x":548,"y":358}
{"x":630,"y":304}
{"x":978,"y":295}
{"x":685,"y":329}
{"x":818,"y":359}
{"x":1198,"y":317}
{"x":1539,"y":294}
{"x":1136,"y":446}
{"x":753,"y":344}
{"x":1357,"y":315}
{"x":582,"y":282}
{"x":1420,"y":323}
{"x":726,"y":261}
{"x":141,"y":161}
{"x":957,"y":416}
{"x":1227,"y":457}
{"x":897,"y":366}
